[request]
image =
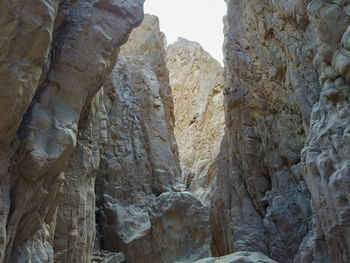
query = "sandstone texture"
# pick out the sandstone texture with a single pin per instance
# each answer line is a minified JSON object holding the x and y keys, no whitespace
{"x":197,"y":83}
{"x":143,"y":210}
{"x":282,"y":177}
{"x":54,"y":58}
{"x":239,"y":257}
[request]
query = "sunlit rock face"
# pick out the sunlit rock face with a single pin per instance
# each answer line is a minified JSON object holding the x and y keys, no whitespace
{"x":54,"y":58}
{"x":142,"y":209}
{"x":283,"y":172}
{"x":197,"y":83}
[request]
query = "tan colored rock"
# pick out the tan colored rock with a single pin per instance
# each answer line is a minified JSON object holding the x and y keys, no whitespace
{"x":142,"y":209}
{"x":197,"y":84}
{"x":54,"y":56}
{"x":239,"y":257}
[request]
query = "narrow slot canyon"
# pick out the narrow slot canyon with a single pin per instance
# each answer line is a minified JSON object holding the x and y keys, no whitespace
{"x":119,"y":146}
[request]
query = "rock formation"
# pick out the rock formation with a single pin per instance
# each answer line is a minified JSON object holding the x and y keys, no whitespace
{"x":282,"y":180}
{"x":85,"y":130}
{"x":325,"y":156}
{"x":197,"y":83}
{"x":239,"y":257}
{"x":142,"y":209}
{"x":54,"y":58}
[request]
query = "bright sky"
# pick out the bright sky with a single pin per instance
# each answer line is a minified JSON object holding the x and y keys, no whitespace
{"x":196,"y":20}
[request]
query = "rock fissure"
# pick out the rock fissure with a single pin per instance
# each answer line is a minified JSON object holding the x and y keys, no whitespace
{"x":115,"y":147}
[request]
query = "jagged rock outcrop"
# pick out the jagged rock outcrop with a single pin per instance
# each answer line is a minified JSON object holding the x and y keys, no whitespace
{"x":260,"y":201}
{"x":239,"y":257}
{"x":197,"y":83}
{"x":325,"y":157}
{"x":283,"y":171}
{"x":54,"y":58}
{"x":143,"y":211}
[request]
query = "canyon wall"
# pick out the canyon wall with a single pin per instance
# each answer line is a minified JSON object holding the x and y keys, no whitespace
{"x":54,"y":58}
{"x":283,"y":169}
{"x":197,"y":83}
{"x":143,"y":210}
{"x":91,"y":126}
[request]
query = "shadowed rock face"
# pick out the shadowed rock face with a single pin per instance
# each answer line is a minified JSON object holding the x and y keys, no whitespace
{"x":325,"y":156}
{"x":283,"y":170}
{"x":260,"y":202}
{"x":54,"y":58}
{"x":197,"y":83}
{"x":142,"y":210}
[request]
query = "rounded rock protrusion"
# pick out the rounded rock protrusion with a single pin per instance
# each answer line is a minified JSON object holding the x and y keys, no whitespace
{"x":331,"y":92}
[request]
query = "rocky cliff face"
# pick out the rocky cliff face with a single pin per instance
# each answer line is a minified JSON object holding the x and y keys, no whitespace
{"x":54,"y":58}
{"x":142,"y":209}
{"x":72,"y":115}
{"x":197,"y":83}
{"x":325,"y":156}
{"x":282,"y":173}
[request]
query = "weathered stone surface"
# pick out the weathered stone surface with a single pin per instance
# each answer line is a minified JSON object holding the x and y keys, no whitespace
{"x":54,"y":58}
{"x":23,"y":52}
{"x":142,"y":209}
{"x":197,"y":84}
{"x":107,"y":257}
{"x":325,"y":157}
{"x":260,"y":201}
{"x":239,"y":257}
{"x":75,"y":224}
{"x":282,"y":180}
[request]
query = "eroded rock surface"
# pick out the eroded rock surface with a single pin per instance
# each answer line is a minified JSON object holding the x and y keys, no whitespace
{"x":283,"y":171}
{"x":282,"y":176}
{"x":54,"y":58}
{"x":261,"y":202}
{"x":143,"y":211}
{"x":239,"y":257}
{"x":325,"y":157}
{"x":197,"y":83}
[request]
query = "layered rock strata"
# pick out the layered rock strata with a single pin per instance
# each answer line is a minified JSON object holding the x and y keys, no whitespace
{"x":143,"y":211}
{"x":54,"y":58}
{"x":197,"y":83}
{"x":282,"y":180}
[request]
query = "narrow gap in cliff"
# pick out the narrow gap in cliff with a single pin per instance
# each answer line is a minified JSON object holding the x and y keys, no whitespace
{"x":196,"y":80}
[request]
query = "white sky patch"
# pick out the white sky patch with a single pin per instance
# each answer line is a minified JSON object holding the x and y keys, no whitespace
{"x":196,"y":20}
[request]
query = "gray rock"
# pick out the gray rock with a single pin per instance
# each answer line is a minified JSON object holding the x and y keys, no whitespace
{"x":239,"y":257}
{"x":260,"y":201}
{"x":54,"y":58}
{"x":142,"y":209}
{"x":282,"y":180}
{"x":107,"y":257}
